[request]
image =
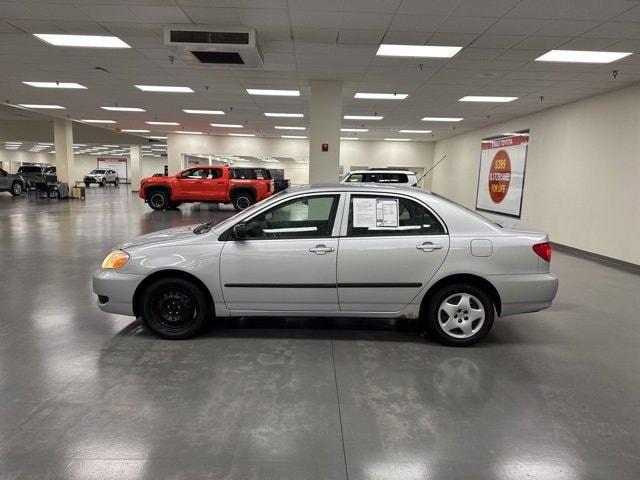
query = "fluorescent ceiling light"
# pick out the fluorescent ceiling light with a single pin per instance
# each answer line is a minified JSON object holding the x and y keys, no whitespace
{"x":349,"y":138}
{"x":423,"y":51}
{"x":284,"y":115}
{"x":293,"y":136}
{"x":381,"y":96}
{"x":241,"y":134}
{"x":98,"y":121}
{"x":442,"y":119}
{"x":162,"y":123}
{"x":481,"y":98}
{"x":186,"y":132}
{"x":581,"y":56}
{"x":133,"y":130}
{"x":363,"y":117}
{"x":55,"y":85}
{"x":397,"y":139}
{"x":354,"y":129}
{"x":203,"y":112}
{"x":49,"y":107}
{"x":79,"y":145}
{"x":415,"y":131}
{"x":124,"y":109}
{"x":278,"y":93}
{"x":157,"y":137}
{"x":279,"y":127}
{"x":226,"y":125}
{"x":160,"y":88}
{"x":91,"y":41}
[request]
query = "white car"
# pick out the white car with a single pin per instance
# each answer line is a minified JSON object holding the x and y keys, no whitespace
{"x":101,"y":176}
{"x":333,"y":250}
{"x":385,"y":176}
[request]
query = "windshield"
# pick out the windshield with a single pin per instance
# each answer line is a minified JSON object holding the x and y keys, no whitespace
{"x":29,"y":170}
{"x":97,"y":171}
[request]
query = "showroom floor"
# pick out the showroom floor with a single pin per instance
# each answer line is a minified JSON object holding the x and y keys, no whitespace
{"x":83,"y":394}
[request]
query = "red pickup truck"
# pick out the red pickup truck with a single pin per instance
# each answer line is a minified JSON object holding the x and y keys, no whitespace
{"x":215,"y":184}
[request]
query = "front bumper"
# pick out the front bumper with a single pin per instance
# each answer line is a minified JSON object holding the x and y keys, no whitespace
{"x":115,"y":291}
{"x":92,"y":180}
{"x":525,"y":293}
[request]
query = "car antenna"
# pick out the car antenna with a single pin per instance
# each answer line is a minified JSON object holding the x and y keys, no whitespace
{"x":429,"y":171}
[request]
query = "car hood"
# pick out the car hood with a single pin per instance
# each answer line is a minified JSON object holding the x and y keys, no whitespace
{"x":170,"y":234}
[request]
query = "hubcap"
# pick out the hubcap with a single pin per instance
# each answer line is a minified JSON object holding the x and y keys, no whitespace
{"x":174,"y":309}
{"x":243,"y":202}
{"x":461,"y":315}
{"x":157,"y":200}
{"x":17,"y":189}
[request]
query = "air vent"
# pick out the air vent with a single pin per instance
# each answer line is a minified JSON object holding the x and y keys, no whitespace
{"x":215,"y":47}
{"x":232,"y":58}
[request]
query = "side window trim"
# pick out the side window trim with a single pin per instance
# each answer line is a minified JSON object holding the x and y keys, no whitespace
{"x":347,"y":209}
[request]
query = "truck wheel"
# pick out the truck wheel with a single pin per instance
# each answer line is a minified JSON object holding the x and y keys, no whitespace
{"x":242,"y":200}
{"x":158,"y":199}
{"x":16,"y":189}
{"x":459,"y":315}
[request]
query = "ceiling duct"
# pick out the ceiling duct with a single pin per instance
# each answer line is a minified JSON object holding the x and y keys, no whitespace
{"x":222,"y":47}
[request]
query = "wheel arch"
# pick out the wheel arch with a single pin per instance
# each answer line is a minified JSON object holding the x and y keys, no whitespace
{"x":475,"y":280}
{"x":161,"y":274}
{"x":243,"y":188}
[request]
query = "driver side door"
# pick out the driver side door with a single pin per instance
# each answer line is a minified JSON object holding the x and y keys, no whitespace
{"x":190,"y":184}
{"x":287,"y":262}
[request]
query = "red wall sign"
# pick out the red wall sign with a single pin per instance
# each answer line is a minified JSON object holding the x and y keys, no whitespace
{"x":499,"y":176}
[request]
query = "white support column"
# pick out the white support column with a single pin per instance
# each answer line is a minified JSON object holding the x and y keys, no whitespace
{"x":135,"y":166}
{"x":63,"y":140}
{"x":174,"y":158}
{"x":325,"y":119}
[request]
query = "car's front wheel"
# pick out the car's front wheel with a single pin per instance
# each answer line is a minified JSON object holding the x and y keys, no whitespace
{"x":459,"y":315}
{"x":16,"y":189}
{"x":116,"y":182}
{"x":158,"y":199}
{"x":242,"y":200}
{"x":103,"y":182}
{"x":174,"y":308}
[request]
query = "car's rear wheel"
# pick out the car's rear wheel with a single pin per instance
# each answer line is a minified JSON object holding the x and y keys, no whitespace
{"x":16,"y":189}
{"x":242,"y":200}
{"x":158,"y":199}
{"x":174,"y":308}
{"x":116,"y":182}
{"x":459,"y":315}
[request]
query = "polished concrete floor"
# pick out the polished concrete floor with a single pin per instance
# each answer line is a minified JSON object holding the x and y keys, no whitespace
{"x":87,"y":395}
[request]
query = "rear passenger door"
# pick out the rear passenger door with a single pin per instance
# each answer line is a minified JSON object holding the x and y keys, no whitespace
{"x":381,"y":268}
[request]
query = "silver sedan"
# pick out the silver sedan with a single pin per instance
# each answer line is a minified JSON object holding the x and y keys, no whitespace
{"x":334,"y":250}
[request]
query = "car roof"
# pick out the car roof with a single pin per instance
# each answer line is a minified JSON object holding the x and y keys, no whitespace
{"x":373,"y":170}
{"x":359,"y":187}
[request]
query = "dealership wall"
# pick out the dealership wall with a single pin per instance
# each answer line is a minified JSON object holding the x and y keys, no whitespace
{"x":582,"y":175}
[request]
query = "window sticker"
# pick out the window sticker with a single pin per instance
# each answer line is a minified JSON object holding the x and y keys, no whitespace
{"x":375,"y":213}
{"x":364,"y":212}
{"x":387,"y":213}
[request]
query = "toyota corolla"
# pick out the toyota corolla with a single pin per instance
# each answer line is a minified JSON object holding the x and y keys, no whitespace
{"x":333,"y":250}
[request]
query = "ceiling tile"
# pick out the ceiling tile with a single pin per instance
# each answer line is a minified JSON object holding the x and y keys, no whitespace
{"x":358,"y":36}
{"x":416,"y":23}
{"x":428,"y":7}
{"x":465,"y":24}
{"x":571,"y":9}
{"x":485,"y":8}
{"x":517,"y":26}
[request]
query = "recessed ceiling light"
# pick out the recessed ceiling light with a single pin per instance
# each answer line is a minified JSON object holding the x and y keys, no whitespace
{"x":133,"y":130}
{"x":226,"y":125}
{"x":282,"y":127}
{"x":415,"y":131}
{"x":442,"y":119}
{"x":98,"y":121}
{"x":381,"y":96}
{"x":423,"y":51}
{"x":581,"y":56}
{"x":354,"y":129}
{"x":241,"y":134}
{"x":278,"y":93}
{"x":284,"y":115}
{"x":49,"y":107}
{"x":293,"y":136}
{"x":124,"y":109}
{"x":481,"y":98}
{"x":186,"y":132}
{"x":363,"y":117}
{"x":91,"y":41}
{"x":203,"y":112}
{"x":397,"y":139}
{"x":79,"y":145}
{"x":162,"y":123}
{"x":161,"y":88}
{"x":157,"y":137}
{"x":349,"y":138}
{"x":71,"y":85}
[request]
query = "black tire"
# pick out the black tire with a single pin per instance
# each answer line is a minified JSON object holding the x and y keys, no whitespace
{"x":158,"y":199}
{"x":242,"y":200}
{"x":103,"y":182}
{"x":87,"y":184}
{"x":116,"y":182}
{"x":16,"y":189}
{"x":434,"y":318}
{"x":174,"y":204}
{"x":174,"y":308}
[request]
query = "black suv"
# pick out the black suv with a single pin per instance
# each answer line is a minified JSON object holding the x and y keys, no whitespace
{"x":38,"y":174}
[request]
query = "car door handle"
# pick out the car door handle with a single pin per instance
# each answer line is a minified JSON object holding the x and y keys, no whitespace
{"x":321,"y":249}
{"x":429,"y":246}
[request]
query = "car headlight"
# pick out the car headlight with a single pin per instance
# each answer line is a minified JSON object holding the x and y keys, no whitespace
{"x":116,"y":259}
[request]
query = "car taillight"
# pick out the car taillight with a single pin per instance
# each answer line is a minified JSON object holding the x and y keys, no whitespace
{"x":543,"y":250}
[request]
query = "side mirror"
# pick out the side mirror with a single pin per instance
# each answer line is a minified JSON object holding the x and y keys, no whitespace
{"x":239,"y":231}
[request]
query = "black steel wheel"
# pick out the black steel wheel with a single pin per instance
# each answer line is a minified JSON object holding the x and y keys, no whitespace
{"x":17,"y":189}
{"x":158,"y":199}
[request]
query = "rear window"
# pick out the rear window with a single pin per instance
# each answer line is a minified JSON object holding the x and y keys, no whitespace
{"x":250,"y":174}
{"x":386,"y":178}
{"x":29,"y":170}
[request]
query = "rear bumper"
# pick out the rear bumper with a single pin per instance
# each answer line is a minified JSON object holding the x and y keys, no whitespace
{"x":525,"y":293}
{"x":115,"y":291}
